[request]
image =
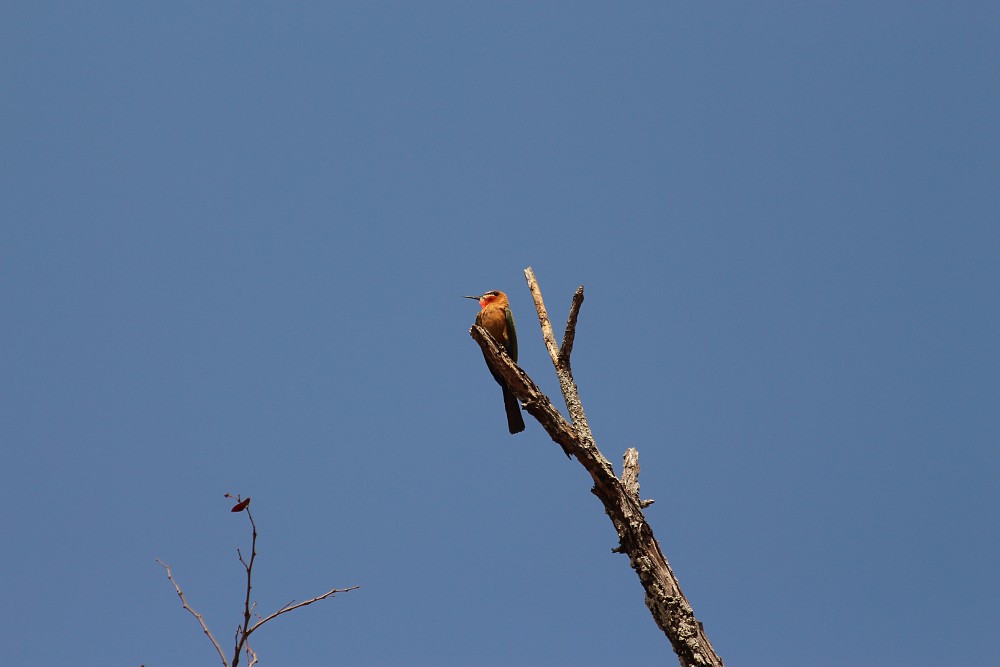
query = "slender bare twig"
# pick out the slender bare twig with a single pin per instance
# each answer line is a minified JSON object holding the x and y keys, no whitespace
{"x":286,"y":608}
{"x":243,"y":634}
{"x":204,"y":627}
{"x":620,"y":497}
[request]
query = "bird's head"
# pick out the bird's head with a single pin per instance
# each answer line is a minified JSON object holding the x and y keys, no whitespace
{"x":495,"y":296}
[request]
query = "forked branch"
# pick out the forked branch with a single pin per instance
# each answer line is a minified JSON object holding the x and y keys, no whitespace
{"x":620,"y":497}
{"x":244,"y":631}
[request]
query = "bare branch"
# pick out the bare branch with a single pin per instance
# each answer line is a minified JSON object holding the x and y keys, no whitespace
{"x":244,"y":630}
{"x":586,"y":450}
{"x":244,"y":633}
{"x":620,"y":497}
{"x":287,"y":608}
{"x":201,"y":621}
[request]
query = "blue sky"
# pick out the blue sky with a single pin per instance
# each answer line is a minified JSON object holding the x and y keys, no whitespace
{"x":233,"y":241}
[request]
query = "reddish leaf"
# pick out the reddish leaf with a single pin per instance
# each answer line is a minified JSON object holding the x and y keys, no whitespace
{"x":240,"y":506}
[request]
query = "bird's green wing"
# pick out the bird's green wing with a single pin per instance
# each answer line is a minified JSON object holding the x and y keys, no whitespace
{"x":511,"y":335}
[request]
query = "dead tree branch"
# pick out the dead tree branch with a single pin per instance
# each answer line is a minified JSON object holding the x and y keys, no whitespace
{"x":620,"y":497}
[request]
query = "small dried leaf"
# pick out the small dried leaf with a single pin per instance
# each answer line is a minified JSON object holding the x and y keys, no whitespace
{"x":240,"y":506}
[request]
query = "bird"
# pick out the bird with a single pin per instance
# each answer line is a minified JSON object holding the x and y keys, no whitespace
{"x":496,"y":318}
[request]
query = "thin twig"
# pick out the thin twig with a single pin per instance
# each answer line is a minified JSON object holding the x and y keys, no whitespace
{"x":204,"y":627}
{"x":286,"y":608}
{"x":244,"y":634}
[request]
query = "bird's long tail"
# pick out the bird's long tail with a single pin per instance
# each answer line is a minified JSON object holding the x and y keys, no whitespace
{"x":515,"y":423}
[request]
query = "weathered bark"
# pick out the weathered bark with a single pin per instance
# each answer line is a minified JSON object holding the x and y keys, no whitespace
{"x":666,"y":602}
